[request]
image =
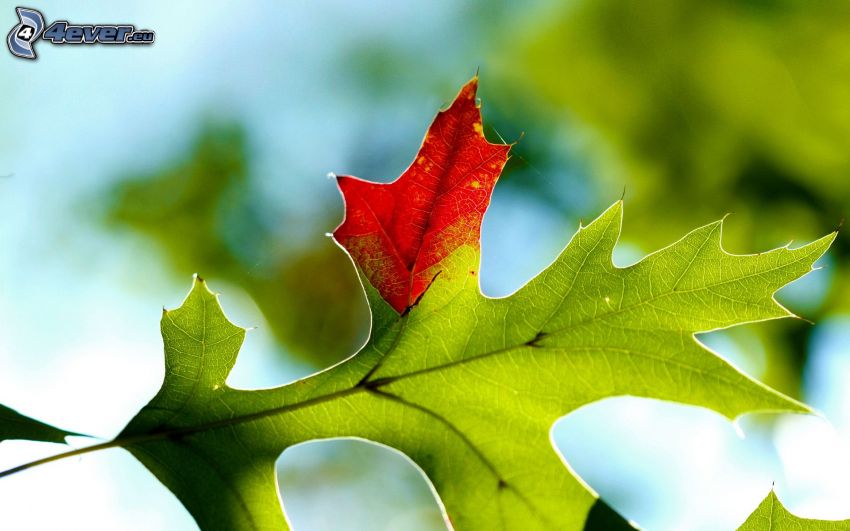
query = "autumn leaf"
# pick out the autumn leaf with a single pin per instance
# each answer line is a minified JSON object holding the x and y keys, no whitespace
{"x":468,"y":387}
{"x":771,"y":515}
{"x":399,"y":233}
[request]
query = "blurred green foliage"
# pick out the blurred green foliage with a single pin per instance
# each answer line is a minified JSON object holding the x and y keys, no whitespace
{"x":703,"y":108}
{"x":202,"y":213}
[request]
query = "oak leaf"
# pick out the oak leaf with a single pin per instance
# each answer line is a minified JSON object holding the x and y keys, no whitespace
{"x":468,"y":387}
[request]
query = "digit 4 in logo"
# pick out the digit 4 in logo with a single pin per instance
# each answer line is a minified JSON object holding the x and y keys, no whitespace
{"x":23,"y":36}
{"x":26,"y":33}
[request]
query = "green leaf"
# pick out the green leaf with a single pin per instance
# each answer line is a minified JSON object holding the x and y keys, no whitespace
{"x":770,"y":515}
{"x":13,"y":425}
{"x":468,"y":386}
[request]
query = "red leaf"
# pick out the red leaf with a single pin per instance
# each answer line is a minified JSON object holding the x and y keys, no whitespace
{"x":399,"y":233}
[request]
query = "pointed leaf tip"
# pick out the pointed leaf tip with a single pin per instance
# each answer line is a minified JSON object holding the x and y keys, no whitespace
{"x":14,"y":425}
{"x":771,"y":515}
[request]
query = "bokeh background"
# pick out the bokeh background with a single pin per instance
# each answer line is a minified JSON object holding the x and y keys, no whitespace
{"x":126,"y":170}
